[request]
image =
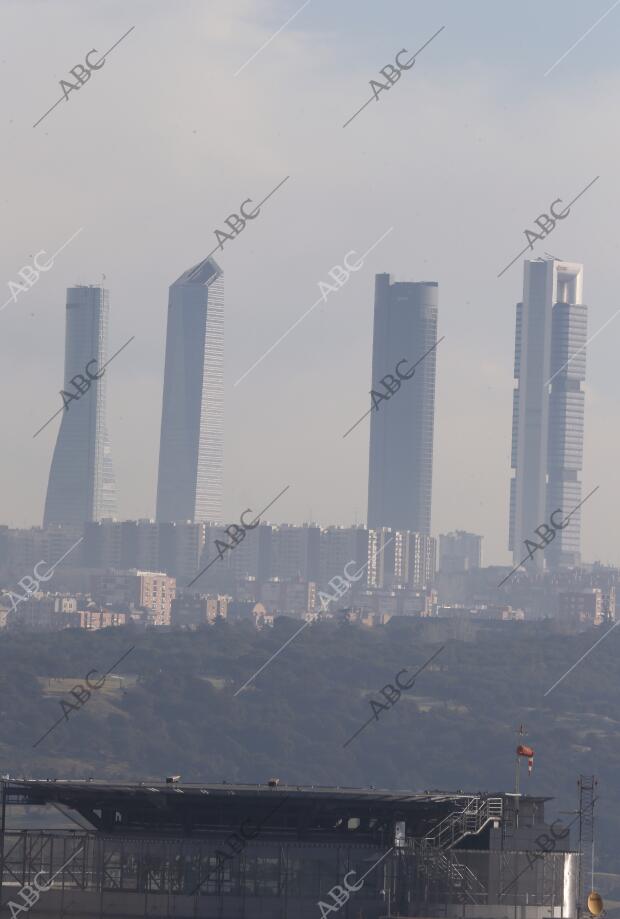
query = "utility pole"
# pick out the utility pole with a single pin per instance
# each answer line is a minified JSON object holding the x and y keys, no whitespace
{"x":520,"y":733}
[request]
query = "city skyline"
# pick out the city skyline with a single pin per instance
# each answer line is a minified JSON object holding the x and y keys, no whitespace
{"x":365,"y":436}
{"x":316,"y":382}
{"x":194,"y":348}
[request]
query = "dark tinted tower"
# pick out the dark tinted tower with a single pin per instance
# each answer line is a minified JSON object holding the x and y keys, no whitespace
{"x":401,"y":430}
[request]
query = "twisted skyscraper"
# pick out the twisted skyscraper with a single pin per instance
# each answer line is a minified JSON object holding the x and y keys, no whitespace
{"x":81,"y":483}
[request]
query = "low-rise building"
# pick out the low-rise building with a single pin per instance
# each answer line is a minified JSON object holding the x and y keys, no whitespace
{"x":153,"y":591}
{"x":292,"y":597}
{"x":581,"y":605}
{"x":92,"y":619}
{"x":459,"y":551}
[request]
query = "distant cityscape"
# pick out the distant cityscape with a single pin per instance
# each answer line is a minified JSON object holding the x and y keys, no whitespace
{"x":186,"y":568}
{"x":305,"y":603}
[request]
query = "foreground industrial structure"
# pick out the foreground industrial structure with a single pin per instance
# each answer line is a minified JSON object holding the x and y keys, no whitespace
{"x":276,"y":852}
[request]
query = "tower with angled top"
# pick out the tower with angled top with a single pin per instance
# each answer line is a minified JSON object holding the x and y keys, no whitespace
{"x":191,"y":450}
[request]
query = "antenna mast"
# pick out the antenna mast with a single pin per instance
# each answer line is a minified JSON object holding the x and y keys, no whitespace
{"x":587,"y":788}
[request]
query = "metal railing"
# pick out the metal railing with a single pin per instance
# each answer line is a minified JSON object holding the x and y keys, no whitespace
{"x":435,"y":850}
{"x":476,"y":814}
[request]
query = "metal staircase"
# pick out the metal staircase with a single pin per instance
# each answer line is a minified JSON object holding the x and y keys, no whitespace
{"x":439,"y":862}
{"x":476,"y":814}
{"x":463,"y":883}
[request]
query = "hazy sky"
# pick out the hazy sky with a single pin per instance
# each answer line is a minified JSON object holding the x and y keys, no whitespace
{"x":164,"y":142}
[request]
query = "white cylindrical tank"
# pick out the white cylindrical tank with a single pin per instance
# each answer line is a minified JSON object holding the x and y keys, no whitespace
{"x":570,"y":885}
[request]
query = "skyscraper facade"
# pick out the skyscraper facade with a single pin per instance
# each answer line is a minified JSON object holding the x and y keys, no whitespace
{"x":81,"y":484}
{"x":400,"y":472}
{"x":191,"y":449}
{"x":548,"y":410}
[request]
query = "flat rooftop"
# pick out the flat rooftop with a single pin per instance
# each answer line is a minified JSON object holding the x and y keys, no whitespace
{"x":310,"y":812}
{"x":50,"y":788}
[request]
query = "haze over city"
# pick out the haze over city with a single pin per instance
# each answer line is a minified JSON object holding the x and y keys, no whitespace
{"x":459,"y":159}
{"x":309,"y":359}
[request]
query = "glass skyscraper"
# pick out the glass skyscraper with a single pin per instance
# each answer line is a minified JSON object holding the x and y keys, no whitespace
{"x":81,"y":483}
{"x":191,"y":450}
{"x":548,"y":410}
{"x":400,"y":474}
